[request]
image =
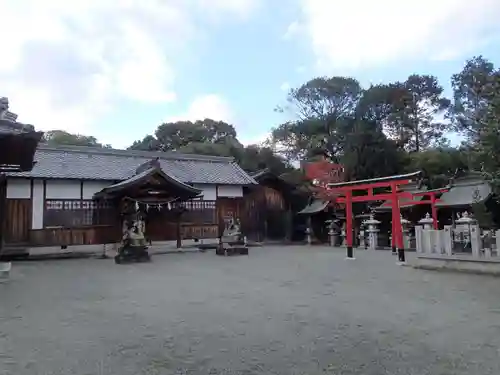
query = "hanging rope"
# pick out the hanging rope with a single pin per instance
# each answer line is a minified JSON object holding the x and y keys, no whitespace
{"x":156,"y":203}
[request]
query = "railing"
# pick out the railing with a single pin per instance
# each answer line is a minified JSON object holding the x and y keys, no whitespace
{"x":458,"y":242}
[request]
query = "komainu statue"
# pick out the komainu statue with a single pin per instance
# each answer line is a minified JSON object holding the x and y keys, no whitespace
{"x":133,"y":246}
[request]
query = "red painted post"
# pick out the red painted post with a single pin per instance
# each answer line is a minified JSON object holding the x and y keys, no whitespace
{"x":396,"y":214}
{"x":348,"y":217}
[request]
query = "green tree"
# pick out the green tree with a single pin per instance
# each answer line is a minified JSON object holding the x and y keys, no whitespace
{"x":368,"y":153}
{"x":61,"y":137}
{"x":321,"y":109}
{"x":148,"y":143}
{"x":487,"y":150}
{"x":438,"y":164}
{"x":173,"y":136}
{"x":473,"y":89}
{"x":209,"y":137}
{"x":415,"y":105}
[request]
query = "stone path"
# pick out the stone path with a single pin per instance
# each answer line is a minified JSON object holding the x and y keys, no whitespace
{"x":294,"y":310}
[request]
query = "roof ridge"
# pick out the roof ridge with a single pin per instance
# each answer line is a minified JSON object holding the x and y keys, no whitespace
{"x":169,"y":155}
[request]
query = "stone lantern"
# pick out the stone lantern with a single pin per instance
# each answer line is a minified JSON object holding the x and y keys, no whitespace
{"x":466,"y":220}
{"x":332,"y":233}
{"x":308,"y":235}
{"x":426,"y":221}
{"x":372,"y":230}
{"x":468,"y":232}
{"x":405,"y":226}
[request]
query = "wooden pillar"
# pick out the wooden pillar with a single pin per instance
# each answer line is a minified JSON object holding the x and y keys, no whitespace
{"x":348,"y":211}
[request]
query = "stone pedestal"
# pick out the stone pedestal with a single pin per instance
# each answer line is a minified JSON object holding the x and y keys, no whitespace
{"x":372,"y":230}
{"x":331,"y":236}
{"x":5,"y":268}
{"x":363,"y":243}
{"x":308,"y":236}
{"x":405,"y":226}
{"x":427,"y":221}
{"x":342,"y":238}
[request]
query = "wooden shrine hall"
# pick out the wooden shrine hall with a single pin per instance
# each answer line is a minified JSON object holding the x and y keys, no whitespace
{"x":156,"y":195}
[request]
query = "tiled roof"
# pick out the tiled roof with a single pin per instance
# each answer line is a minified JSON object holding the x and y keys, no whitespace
{"x":88,"y":163}
{"x":466,"y":191}
{"x":315,"y":206}
{"x":11,"y":127}
{"x":412,"y":187}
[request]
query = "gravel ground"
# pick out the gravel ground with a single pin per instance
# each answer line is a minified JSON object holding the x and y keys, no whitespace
{"x":295,"y":310}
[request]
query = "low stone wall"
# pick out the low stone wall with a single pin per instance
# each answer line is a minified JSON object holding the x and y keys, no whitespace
{"x":458,"y":263}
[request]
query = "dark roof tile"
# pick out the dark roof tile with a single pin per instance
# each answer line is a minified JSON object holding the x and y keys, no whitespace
{"x":115,"y":165}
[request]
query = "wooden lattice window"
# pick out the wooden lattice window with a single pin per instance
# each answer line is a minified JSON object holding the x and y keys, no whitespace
{"x":76,"y":213}
{"x":199,"y":212}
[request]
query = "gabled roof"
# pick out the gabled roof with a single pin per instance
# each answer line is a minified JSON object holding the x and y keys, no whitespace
{"x":412,"y":187}
{"x":466,"y":190}
{"x":315,"y":206}
{"x":18,"y":143}
{"x":175,"y":187}
{"x":89,"y":163}
{"x":265,"y":175}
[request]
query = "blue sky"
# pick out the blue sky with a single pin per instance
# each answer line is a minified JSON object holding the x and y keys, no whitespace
{"x":116,"y":70}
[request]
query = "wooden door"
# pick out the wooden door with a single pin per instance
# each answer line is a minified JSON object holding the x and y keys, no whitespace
{"x":228,"y":208}
{"x":17,"y":221}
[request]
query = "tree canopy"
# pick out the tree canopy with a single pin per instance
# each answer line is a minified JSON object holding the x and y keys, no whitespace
{"x":373,"y":131}
{"x":61,"y":137}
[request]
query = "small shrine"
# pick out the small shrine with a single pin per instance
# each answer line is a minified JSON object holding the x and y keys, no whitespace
{"x":137,"y":199}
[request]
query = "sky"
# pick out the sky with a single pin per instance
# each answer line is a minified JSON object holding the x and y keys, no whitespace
{"x":118,"y":69}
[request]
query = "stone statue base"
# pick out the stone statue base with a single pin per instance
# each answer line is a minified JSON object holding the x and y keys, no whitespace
{"x":133,"y":247}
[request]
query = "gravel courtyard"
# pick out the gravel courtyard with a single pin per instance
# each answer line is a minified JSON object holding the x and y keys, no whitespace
{"x":282,"y":310}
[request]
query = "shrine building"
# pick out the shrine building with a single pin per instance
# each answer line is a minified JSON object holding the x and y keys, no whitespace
{"x":74,"y":195}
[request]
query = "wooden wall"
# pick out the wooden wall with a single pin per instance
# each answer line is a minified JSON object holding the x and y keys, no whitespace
{"x":62,"y":213}
{"x":265,"y":214}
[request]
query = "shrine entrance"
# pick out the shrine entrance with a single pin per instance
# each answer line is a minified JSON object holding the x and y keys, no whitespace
{"x":153,"y":198}
{"x":351,"y":192}
{"x":328,"y":180}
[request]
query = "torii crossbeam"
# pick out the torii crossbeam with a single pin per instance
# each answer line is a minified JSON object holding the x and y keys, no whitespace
{"x":344,"y":194}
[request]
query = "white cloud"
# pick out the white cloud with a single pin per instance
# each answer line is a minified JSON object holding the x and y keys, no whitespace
{"x":210,"y":106}
{"x":217,"y":108}
{"x":285,"y":86}
{"x":300,"y":69}
{"x":257,"y":139}
{"x":240,"y":8}
{"x":359,"y":33}
{"x":65,"y":64}
{"x":292,"y":30}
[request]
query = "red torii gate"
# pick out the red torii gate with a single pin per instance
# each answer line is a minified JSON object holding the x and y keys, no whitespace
{"x":328,"y":179}
{"x":433,"y":199}
{"x":344,"y":194}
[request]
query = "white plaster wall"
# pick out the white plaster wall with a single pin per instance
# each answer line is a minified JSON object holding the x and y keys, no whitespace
{"x":37,"y":205}
{"x":92,"y":187}
{"x":209,"y":191}
{"x":231,"y":191}
{"x":18,"y":188}
{"x":63,"y":189}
